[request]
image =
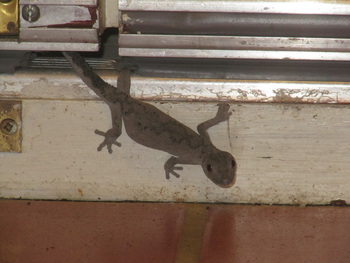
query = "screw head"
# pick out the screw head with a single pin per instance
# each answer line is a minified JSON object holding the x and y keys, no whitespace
{"x":8,"y":127}
{"x":31,"y":13}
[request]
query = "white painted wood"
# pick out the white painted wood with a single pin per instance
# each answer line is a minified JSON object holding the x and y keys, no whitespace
{"x":286,"y":153}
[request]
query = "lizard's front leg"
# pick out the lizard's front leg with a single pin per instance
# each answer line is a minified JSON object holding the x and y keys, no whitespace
{"x":113,"y":134}
{"x":170,"y":167}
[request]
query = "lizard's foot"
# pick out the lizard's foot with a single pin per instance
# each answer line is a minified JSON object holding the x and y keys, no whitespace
{"x":110,"y":139}
{"x":223,"y":113}
{"x":170,"y":167}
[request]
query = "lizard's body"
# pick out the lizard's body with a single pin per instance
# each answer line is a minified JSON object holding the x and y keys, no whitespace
{"x":160,"y":127}
{"x":149,"y":126}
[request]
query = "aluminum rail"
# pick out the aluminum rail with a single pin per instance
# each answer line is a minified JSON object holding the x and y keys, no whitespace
{"x":268,"y":30}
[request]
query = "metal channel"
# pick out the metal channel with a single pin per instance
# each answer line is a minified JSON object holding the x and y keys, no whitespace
{"x":24,"y":84}
{"x":234,"y":43}
{"x":243,"y":70}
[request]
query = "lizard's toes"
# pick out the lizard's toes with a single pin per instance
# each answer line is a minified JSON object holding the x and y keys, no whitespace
{"x":175,"y":174}
{"x":109,"y":147}
{"x":100,"y":147}
{"x":117,"y":143}
{"x":98,"y":132}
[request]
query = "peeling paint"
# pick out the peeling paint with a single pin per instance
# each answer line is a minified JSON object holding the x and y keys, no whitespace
{"x":36,"y":84}
{"x":306,"y":95}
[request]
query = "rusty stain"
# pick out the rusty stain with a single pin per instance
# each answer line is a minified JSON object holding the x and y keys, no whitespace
{"x":80,"y":23}
{"x":80,"y":191}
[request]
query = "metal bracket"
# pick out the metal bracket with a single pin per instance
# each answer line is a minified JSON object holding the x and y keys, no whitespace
{"x":10,"y":126}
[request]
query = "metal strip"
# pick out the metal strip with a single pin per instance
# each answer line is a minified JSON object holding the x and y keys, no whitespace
{"x":46,"y":46}
{"x":234,"y":54}
{"x":67,"y":35}
{"x":59,"y":2}
{"x":286,"y":7}
{"x":234,"y":43}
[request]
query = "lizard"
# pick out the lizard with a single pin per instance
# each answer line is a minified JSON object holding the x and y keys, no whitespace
{"x":151,"y":127}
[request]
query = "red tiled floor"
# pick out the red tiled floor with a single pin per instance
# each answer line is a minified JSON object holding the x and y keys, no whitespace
{"x":72,"y":232}
{"x":267,"y":234}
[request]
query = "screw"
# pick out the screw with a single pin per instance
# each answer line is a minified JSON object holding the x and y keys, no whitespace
{"x":31,"y":13}
{"x":8,"y":127}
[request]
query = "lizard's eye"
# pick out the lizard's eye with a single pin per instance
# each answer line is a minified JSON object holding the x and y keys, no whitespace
{"x":209,"y":168}
{"x":233,"y":163}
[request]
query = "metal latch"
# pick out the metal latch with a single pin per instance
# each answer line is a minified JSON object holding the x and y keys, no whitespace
{"x":10,"y":126}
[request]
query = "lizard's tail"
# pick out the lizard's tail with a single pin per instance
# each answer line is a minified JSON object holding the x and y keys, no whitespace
{"x":104,"y":90}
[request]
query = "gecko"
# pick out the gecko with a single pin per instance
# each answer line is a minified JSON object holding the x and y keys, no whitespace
{"x":151,"y":127}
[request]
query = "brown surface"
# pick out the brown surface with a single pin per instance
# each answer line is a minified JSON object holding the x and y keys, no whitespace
{"x":259,"y":234}
{"x":40,"y":231}
{"x":84,"y":232}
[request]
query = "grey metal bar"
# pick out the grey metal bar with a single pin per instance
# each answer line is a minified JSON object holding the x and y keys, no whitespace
{"x":236,"y":24}
{"x":286,"y":7}
{"x":234,"y":54}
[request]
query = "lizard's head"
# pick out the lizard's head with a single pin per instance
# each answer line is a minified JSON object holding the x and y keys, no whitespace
{"x":220,"y":167}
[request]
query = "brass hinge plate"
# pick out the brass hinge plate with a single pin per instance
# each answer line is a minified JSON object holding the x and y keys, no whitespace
{"x":10,"y":126}
{"x":9,"y":17}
